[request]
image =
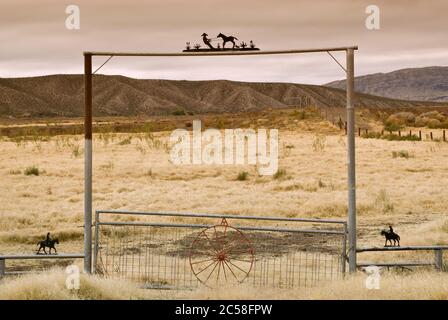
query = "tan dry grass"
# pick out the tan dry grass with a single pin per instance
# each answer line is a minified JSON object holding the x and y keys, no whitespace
{"x":51,"y":285}
{"x":407,"y":193}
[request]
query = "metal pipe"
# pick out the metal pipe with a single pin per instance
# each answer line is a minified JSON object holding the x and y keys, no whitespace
{"x":87,"y":163}
{"x":206,"y":215}
{"x":41,"y":256}
{"x":344,"y":250}
{"x":216,"y":53}
{"x":2,"y":267}
{"x":97,"y":241}
{"x":408,"y":248}
{"x":189,"y":225}
{"x":351,"y":160}
{"x":438,"y":257}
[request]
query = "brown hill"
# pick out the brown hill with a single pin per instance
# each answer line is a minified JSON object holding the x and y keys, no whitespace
{"x":424,"y":84}
{"x":63,"y":96}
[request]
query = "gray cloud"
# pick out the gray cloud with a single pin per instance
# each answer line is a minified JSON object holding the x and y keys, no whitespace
{"x":35,"y":41}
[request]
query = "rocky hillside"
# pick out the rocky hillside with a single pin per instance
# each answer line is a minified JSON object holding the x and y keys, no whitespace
{"x":424,"y":84}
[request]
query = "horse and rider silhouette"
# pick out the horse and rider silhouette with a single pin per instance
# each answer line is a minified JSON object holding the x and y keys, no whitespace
{"x":224,"y":38}
{"x":391,"y":236}
{"x":48,"y":243}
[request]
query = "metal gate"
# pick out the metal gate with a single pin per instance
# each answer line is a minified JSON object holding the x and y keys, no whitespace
{"x":184,"y":250}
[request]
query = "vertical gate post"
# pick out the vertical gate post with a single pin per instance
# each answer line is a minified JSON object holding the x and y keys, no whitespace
{"x":2,"y":267}
{"x":344,"y":250}
{"x":87,"y":162}
{"x":97,"y":241}
{"x":351,"y":160}
{"x":438,"y":255}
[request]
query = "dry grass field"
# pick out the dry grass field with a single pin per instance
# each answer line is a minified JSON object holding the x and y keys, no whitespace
{"x":399,"y":182}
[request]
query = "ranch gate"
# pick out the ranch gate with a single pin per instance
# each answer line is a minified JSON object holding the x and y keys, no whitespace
{"x":177,"y":250}
{"x":88,"y":111}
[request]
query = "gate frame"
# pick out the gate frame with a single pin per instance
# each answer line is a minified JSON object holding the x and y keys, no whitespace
{"x":351,"y":174}
{"x":342,"y":232}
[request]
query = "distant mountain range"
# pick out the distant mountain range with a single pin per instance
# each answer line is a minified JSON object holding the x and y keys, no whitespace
{"x":63,"y":96}
{"x":423,"y":84}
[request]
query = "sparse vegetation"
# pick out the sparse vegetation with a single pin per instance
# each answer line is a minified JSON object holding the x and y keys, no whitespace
{"x":242,"y":176}
{"x":401,"y":154}
{"x":280,"y":174}
{"x":32,"y":171}
{"x":319,"y":143}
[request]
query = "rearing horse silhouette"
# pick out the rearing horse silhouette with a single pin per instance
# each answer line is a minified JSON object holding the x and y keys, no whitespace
{"x":226,"y":39}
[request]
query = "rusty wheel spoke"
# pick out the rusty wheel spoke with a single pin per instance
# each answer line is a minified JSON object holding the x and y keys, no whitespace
{"x":231,"y":270}
{"x":205,"y":268}
{"x":211,"y":272}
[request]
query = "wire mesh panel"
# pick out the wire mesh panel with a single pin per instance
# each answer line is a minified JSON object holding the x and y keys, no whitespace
{"x":184,"y":255}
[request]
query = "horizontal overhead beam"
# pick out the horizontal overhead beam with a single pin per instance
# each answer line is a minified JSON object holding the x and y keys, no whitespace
{"x":214,"y":53}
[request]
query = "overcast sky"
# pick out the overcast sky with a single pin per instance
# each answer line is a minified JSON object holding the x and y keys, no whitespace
{"x":35,"y":41}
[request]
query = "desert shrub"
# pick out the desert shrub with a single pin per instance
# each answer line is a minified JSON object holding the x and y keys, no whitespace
{"x":242,"y":176}
{"x":76,"y":151}
{"x":372,"y":135}
{"x":433,"y":115}
{"x":33,"y":170}
{"x":395,"y":137}
{"x":125,"y":141}
{"x":383,"y":202}
{"x":319,"y":142}
{"x":402,"y":118}
{"x":392,"y":126}
{"x":280,"y":174}
{"x":433,"y":123}
{"x":179,"y":112}
{"x":401,"y":154}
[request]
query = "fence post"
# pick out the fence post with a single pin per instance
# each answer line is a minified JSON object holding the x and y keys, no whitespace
{"x":88,"y":162}
{"x":410,"y":133}
{"x":344,"y":250}
{"x":96,"y":243}
{"x":2,"y":268}
{"x":430,"y":134}
{"x":438,"y":255}
{"x":399,"y":133}
{"x":444,"y":136}
{"x":359,"y":131}
{"x":351,"y":172}
{"x":420,"y":134}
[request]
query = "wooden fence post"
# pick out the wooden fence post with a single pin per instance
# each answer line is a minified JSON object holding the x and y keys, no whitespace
{"x":431,"y":135}
{"x":399,"y":133}
{"x":420,"y":134}
{"x":444,"y":136}
{"x":359,"y":131}
{"x":345,"y":127}
{"x":410,"y":133}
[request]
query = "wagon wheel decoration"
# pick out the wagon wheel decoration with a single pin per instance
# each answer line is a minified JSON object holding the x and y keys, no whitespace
{"x":221,"y":254}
